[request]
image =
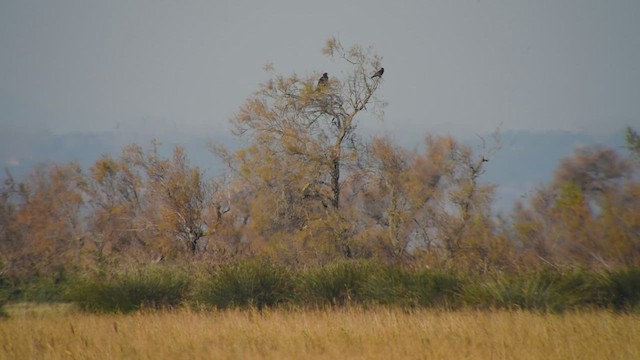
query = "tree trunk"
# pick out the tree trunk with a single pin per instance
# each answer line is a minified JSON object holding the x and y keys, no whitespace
{"x":335,"y":181}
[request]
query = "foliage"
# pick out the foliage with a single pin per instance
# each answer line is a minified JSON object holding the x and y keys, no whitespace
{"x":587,"y":216}
{"x":301,"y":156}
{"x":339,"y":283}
{"x":42,"y":224}
{"x":40,"y":289}
{"x":257,"y":283}
{"x":262,"y":283}
{"x":393,"y":285}
{"x":150,"y":287}
{"x":546,"y":291}
{"x":390,"y":285}
{"x":624,"y":288}
{"x":633,"y":141}
{"x":4,"y":295}
{"x":306,"y":190}
{"x":429,"y":201}
{"x":439,"y":288}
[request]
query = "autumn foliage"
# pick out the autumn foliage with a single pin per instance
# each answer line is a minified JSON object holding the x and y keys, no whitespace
{"x":306,"y":189}
{"x":587,"y":216}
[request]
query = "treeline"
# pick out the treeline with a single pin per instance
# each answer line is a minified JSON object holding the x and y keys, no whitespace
{"x":306,"y":190}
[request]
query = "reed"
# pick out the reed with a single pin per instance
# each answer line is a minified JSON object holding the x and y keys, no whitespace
{"x":331,"y":333}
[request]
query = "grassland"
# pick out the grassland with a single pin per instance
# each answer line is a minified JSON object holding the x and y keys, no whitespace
{"x":349,"y":332}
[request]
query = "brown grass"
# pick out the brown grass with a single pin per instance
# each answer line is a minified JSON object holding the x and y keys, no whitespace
{"x":354,"y":333}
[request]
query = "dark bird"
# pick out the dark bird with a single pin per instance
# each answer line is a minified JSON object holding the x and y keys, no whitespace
{"x":378,"y":73}
{"x":323,"y":80}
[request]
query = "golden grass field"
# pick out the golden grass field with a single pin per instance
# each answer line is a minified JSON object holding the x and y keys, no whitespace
{"x":56,"y":332}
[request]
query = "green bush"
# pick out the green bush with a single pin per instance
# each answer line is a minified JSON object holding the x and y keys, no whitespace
{"x":537,"y":291}
{"x":36,"y":288}
{"x":4,"y":298}
{"x":553,"y":291}
{"x":439,"y":288}
{"x":151,"y":287}
{"x":623,"y":289}
{"x":256,"y":283}
{"x":336,"y":283}
{"x":261,"y":283}
{"x":41,"y":289}
{"x":395,"y":285}
{"x":5,"y":291}
{"x":390,"y":285}
{"x":580,"y":288}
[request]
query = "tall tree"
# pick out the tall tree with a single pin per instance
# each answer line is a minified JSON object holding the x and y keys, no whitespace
{"x":633,"y":141}
{"x":180,"y":202}
{"x":302,"y":141}
{"x":587,"y":215}
{"x":117,"y":203}
{"x":427,"y":201}
{"x":150,"y":205}
{"x":48,"y":218}
{"x":9,"y":234}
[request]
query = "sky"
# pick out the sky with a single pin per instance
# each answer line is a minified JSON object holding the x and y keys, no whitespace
{"x":456,"y":67}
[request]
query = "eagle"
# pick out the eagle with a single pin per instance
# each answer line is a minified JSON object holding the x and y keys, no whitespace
{"x":378,"y":73}
{"x":323,"y":80}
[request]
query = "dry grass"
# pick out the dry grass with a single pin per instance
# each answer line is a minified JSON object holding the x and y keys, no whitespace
{"x":322,"y":334}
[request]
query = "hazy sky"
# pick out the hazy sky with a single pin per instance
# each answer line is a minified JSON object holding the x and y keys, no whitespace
{"x":462,"y":67}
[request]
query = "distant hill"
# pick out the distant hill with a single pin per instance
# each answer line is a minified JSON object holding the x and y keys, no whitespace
{"x":20,"y":151}
{"x":529,"y":159}
{"x":526,"y":159}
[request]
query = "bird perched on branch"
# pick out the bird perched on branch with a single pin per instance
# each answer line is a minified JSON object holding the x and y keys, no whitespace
{"x":323,"y":80}
{"x":378,"y":73}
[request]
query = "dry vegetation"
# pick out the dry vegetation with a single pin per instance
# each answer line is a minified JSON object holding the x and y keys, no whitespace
{"x":309,"y":214}
{"x":307,"y":189}
{"x":330,"y":334}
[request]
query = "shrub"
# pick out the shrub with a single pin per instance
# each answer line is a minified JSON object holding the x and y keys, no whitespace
{"x":525,"y":292}
{"x":439,"y":288}
{"x":4,"y":297}
{"x":151,"y":287}
{"x":405,"y":287}
{"x":391,"y":285}
{"x":337,"y":283}
{"x":5,"y":291}
{"x":41,"y":289}
{"x":553,"y":291}
{"x":257,"y":283}
{"x":623,"y":289}
{"x":582,"y":288}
